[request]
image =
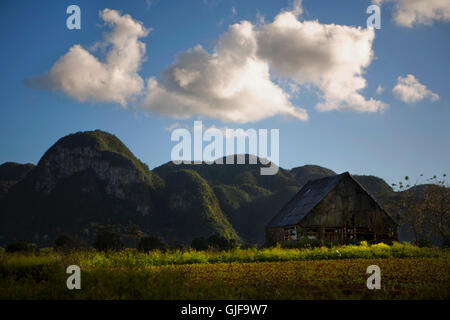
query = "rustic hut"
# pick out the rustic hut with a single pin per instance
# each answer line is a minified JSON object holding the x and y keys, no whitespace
{"x":337,"y":209}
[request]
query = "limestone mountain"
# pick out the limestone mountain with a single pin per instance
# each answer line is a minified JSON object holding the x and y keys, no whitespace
{"x":192,"y":208}
{"x":92,"y":178}
{"x":83,"y":178}
{"x":310,"y":172}
{"x":228,"y":173}
{"x":11,"y":173}
{"x":375,"y":185}
{"x":249,"y":200}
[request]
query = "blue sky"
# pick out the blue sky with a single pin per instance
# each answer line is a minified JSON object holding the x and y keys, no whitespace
{"x":405,"y":138}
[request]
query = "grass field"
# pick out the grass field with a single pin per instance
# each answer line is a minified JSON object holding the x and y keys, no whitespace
{"x":407,"y":272}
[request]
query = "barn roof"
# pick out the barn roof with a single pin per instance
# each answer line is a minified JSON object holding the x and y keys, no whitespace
{"x":308,"y":197}
{"x":305,"y":200}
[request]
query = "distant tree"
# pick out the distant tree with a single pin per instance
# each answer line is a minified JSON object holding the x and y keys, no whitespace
{"x":23,"y":246}
{"x":108,"y":240}
{"x":437,"y":206}
{"x":134,"y":232}
{"x":221,"y":243}
{"x":213,"y":242}
{"x":425,"y":210}
{"x":408,"y":209}
{"x":66,"y":242}
{"x":152,"y":243}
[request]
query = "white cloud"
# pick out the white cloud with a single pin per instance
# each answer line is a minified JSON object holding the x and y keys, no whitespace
{"x":260,"y":19}
{"x":332,"y":57}
{"x":232,"y":83}
{"x":379,"y":90}
{"x":297,"y":7}
{"x":408,"y":13}
{"x":408,"y":89}
{"x":240,"y":81}
{"x":82,"y":76}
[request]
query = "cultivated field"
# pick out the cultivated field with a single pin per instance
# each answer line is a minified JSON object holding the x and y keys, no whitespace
{"x":407,"y":272}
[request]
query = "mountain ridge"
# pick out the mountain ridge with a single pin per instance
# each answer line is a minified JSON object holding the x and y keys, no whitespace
{"x":91,"y":177}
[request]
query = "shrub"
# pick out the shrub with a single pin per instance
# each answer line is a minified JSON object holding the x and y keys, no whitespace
{"x":215,"y":242}
{"x":221,"y":243}
{"x":247,"y":246}
{"x":306,"y":243}
{"x":177,"y":246}
{"x":424,"y":243}
{"x":66,"y":242}
{"x":152,"y":243}
{"x":108,"y":240}
{"x":23,"y":246}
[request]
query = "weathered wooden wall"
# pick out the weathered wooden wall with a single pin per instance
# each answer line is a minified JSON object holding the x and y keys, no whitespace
{"x":346,"y":213}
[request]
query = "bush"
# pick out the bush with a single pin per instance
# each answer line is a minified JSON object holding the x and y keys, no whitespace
{"x":66,"y":242}
{"x":177,"y":246}
{"x":306,"y":243}
{"x":22,"y":246}
{"x":424,"y":243}
{"x":214,"y":242}
{"x":221,"y":243}
{"x":108,"y":240}
{"x":247,"y":246}
{"x":152,"y":243}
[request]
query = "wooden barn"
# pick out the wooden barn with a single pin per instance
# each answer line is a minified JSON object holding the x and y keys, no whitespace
{"x":337,"y":209}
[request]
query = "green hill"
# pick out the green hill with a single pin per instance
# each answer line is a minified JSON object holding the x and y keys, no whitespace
{"x":192,"y":209}
{"x":91,"y":178}
{"x":310,"y":172}
{"x":84,"y":178}
{"x":234,"y":174}
{"x":11,"y":173}
{"x":109,"y":148}
{"x":376,"y":186}
{"x":251,"y":219}
{"x":249,"y":200}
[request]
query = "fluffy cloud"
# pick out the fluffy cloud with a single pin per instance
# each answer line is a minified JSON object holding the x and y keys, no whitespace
{"x":414,"y":12}
{"x":332,"y":57}
{"x":408,"y":89}
{"x":232,"y":83}
{"x":240,"y":81}
{"x":379,"y":90}
{"x":82,"y":76}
